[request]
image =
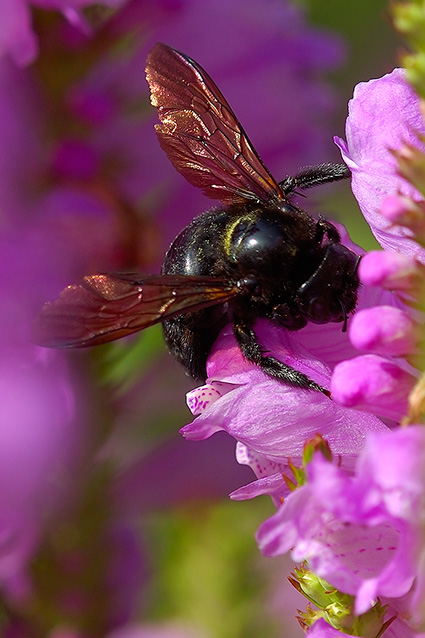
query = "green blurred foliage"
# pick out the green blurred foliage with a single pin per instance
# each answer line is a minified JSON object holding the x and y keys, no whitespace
{"x":120,"y":364}
{"x":373,"y":49}
{"x":366,"y":27}
{"x":207,"y":569}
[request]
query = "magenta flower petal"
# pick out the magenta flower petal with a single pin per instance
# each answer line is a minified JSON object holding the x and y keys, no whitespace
{"x":275,"y":420}
{"x":226,"y":362}
{"x":397,"y":468}
{"x":270,"y":480}
{"x":74,"y":159}
{"x":273,"y":485}
{"x":321,"y":629}
{"x":200,"y":399}
{"x":402,"y":211}
{"x":400,"y":626}
{"x":393,"y":470}
{"x":260,"y":465}
{"x":383,"y":114}
{"x":271,"y":475}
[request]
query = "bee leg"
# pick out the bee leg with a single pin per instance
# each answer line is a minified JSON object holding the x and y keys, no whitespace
{"x":274,"y":368}
{"x":314,"y":176}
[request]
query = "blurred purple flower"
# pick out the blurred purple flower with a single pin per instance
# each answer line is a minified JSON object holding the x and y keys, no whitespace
{"x":17,"y":37}
{"x":40,"y":442}
{"x":50,"y":236}
{"x":383,"y":115}
{"x":170,"y":489}
{"x":403,"y":625}
{"x":43,"y":420}
{"x":362,"y":534}
{"x":76,"y":177}
{"x":42,"y":429}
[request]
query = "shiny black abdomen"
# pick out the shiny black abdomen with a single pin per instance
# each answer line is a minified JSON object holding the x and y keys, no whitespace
{"x":197,"y":250}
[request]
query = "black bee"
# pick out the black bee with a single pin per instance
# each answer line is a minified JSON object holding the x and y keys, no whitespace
{"x":255,"y":255}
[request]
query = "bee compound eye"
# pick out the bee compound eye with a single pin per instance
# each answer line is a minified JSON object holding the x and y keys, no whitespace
{"x":331,"y":292}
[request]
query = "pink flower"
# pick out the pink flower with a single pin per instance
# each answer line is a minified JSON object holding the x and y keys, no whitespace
{"x":250,"y":406}
{"x":384,"y":330}
{"x":272,"y":421}
{"x":383,"y":115}
{"x":362,"y":533}
{"x":269,"y":420}
{"x":392,"y":271}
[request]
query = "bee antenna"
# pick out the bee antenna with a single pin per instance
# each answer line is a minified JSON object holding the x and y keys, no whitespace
{"x":356,"y":267}
{"x":344,"y":325}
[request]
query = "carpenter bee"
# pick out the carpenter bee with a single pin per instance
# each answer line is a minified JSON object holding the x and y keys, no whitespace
{"x":255,"y":255}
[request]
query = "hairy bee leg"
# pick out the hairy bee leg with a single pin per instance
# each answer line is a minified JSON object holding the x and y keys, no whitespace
{"x":315,"y":176}
{"x":274,"y":368}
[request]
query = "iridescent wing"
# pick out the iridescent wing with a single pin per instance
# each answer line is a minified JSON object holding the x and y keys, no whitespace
{"x":107,"y":307}
{"x":200,"y":133}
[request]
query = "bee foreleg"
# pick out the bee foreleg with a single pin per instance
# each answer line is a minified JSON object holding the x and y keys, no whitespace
{"x":274,"y":368}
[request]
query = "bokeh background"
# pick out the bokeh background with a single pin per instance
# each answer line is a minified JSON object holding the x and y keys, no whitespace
{"x":111,"y":525}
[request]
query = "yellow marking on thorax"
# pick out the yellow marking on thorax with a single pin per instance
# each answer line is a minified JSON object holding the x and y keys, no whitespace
{"x":229,"y":232}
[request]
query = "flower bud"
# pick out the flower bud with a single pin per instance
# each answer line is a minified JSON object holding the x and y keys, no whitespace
{"x":393,"y":271}
{"x":411,"y":164}
{"x":404,"y":211}
{"x":373,"y":384}
{"x":384,"y":330}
